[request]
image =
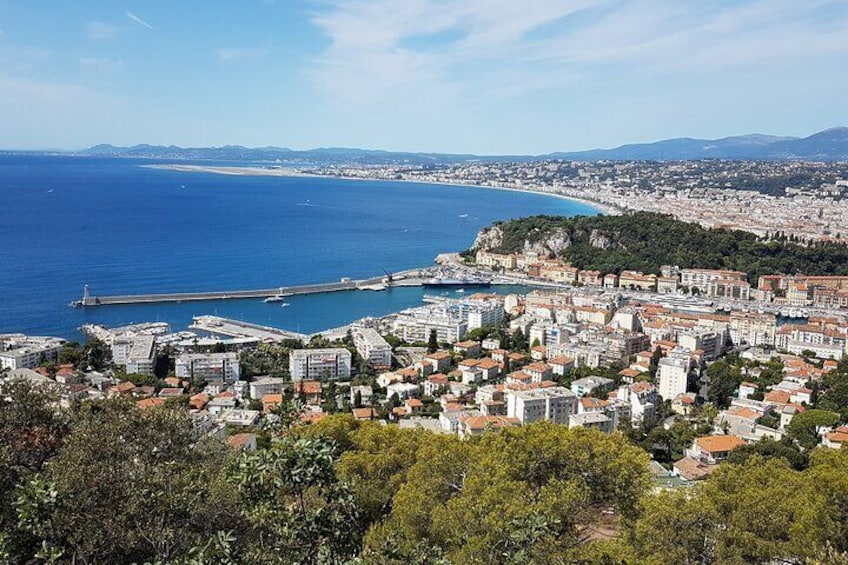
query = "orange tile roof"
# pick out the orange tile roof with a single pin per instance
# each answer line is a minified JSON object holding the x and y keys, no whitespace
{"x":777,"y":396}
{"x":560,"y":360}
{"x":483,"y":422}
{"x":641,"y":386}
{"x":150,"y":402}
{"x":239,"y":441}
{"x":719,"y":444}
{"x":364,"y":413}
{"x":837,"y":437}
{"x":438,"y":355}
{"x":743,"y":412}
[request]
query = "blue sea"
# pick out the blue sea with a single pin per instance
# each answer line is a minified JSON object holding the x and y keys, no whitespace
{"x":125,"y":229}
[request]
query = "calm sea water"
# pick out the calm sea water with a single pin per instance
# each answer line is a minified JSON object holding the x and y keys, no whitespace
{"x":126,"y":229}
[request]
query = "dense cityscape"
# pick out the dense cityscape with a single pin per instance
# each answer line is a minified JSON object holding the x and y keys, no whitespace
{"x":806,"y":200}
{"x":434,"y":282}
{"x":694,"y":366}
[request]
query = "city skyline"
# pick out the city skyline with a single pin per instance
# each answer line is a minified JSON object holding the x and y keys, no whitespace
{"x":453,"y":77}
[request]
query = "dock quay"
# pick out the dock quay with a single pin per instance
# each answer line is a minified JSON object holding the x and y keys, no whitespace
{"x":88,"y":300}
{"x":238,"y":329}
{"x":412,"y":277}
{"x":427,"y":276}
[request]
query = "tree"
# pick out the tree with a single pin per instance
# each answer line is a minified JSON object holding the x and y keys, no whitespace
{"x":724,"y":381}
{"x":521,"y":495}
{"x":298,"y":510}
{"x":131,"y":485}
{"x":433,"y":342}
{"x":655,"y":361}
{"x":768,"y":448}
{"x":32,"y":429}
{"x":804,"y":427}
{"x":518,"y":341}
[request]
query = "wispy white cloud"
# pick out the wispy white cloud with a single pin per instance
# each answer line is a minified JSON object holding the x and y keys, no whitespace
{"x":97,"y":31}
{"x":138,"y":20}
{"x":380,"y":47}
{"x":233,"y":54}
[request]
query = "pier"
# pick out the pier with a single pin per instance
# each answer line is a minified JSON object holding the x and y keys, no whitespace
{"x":239,"y":329}
{"x":405,"y":278}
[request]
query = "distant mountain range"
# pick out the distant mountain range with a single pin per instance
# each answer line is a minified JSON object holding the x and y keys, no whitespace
{"x":323,"y":155}
{"x":828,"y":145}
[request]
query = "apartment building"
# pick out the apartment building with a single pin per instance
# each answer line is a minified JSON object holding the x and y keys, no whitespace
{"x":506,"y":261}
{"x":319,"y":364}
{"x":212,"y":367}
{"x":142,"y":355}
{"x":673,"y":375}
{"x":19,"y":351}
{"x":700,"y":278}
{"x":637,"y":280}
{"x":371,"y":346}
{"x":752,"y":328}
{"x":554,"y":404}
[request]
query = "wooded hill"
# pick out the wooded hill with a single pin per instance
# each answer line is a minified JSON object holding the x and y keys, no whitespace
{"x":644,"y":241}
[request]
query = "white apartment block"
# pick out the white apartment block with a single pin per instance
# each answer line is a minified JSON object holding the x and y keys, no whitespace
{"x":752,"y":328}
{"x":265,"y":385}
{"x":141,"y":355}
{"x":642,"y":397}
{"x":555,"y":404}
{"x":485,"y":315}
{"x":319,"y":364}
{"x":673,"y":375}
{"x":208,"y":366}
{"x":371,"y":346}
{"x":415,"y":325}
{"x":710,"y":342}
{"x":18,"y":351}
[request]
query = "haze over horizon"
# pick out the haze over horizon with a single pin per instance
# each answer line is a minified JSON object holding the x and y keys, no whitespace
{"x":484,"y":77}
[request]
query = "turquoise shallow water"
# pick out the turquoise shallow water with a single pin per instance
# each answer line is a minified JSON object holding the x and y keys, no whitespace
{"x":126,"y":229}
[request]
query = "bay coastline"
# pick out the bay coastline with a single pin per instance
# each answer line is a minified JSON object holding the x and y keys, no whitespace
{"x":288,"y":172}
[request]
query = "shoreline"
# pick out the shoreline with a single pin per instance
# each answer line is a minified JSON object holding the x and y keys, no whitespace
{"x":602,"y":208}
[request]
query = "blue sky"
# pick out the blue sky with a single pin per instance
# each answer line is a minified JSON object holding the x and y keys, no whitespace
{"x":481,"y":76}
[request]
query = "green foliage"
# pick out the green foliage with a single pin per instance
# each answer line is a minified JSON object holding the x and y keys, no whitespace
{"x":768,"y":448}
{"x":268,"y":359}
{"x":298,"y":510}
{"x":32,"y":430}
{"x":131,"y":485}
{"x":804,"y":426}
{"x":832,"y":394}
{"x":724,"y":380}
{"x":518,"y":342}
{"x":645,"y":240}
{"x":107,"y":482}
{"x":523,"y":495}
{"x":432,"y":342}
